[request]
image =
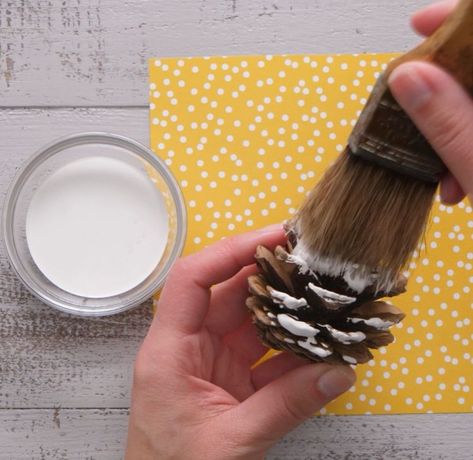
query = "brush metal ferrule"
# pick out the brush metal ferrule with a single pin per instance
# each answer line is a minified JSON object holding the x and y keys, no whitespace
{"x":385,"y":135}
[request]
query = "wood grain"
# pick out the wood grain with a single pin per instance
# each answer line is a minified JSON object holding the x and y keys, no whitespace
{"x":49,"y":359}
{"x":390,"y":437}
{"x":99,"y":434}
{"x":94,"y":52}
{"x":25,"y":130}
{"x":50,"y":434}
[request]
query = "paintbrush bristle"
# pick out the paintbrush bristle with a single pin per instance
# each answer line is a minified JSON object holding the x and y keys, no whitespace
{"x":360,"y":213}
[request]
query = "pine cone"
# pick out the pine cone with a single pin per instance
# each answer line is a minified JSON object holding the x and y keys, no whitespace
{"x":315,"y":315}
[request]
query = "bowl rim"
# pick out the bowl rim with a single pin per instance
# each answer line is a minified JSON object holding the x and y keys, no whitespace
{"x":59,"y":145}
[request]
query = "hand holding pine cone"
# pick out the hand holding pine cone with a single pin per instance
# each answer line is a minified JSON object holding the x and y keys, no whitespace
{"x":315,"y":315}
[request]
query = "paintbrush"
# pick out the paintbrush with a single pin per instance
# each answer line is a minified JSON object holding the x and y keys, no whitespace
{"x":349,"y":243}
{"x":369,"y":211}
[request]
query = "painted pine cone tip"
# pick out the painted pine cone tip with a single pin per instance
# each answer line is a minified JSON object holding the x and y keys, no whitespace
{"x":316,"y":316}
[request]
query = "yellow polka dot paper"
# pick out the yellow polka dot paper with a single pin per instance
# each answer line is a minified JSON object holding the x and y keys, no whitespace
{"x":248,"y":136}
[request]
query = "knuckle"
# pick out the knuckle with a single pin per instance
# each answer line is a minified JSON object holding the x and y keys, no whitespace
{"x":179,"y":266}
{"x":228,"y":245}
{"x":229,"y":248}
{"x":179,"y":270}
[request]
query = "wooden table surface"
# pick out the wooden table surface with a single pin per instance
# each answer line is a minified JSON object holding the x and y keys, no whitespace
{"x":78,"y":65}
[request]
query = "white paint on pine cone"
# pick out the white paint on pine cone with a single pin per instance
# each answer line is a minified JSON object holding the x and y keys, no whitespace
{"x":287,"y":300}
{"x":297,"y":327}
{"x":330,"y":296}
{"x":357,"y":278}
{"x":356,"y":281}
{"x":349,"y":359}
{"x":298,"y":260}
{"x":345,"y":337}
{"x":377,"y":323}
{"x":312,"y":346}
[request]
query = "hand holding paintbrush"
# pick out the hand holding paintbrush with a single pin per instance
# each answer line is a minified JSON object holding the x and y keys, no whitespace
{"x":361,"y":224}
{"x":372,"y":206}
{"x":441,"y":108}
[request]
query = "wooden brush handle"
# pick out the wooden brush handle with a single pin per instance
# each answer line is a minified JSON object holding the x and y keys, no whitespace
{"x":384,"y":133}
{"x":451,"y":46}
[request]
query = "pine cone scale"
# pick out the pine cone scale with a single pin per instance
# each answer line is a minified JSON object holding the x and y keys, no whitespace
{"x":316,"y":316}
{"x":279,"y":272}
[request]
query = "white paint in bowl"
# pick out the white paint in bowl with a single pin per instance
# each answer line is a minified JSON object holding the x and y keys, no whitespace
{"x":97,"y":227}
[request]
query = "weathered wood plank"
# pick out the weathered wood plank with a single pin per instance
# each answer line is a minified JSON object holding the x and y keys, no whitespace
{"x":94,"y":52}
{"x":100,"y":434}
{"x":49,"y":359}
{"x":62,"y":434}
{"x":393,"y":437}
{"x":26,"y":130}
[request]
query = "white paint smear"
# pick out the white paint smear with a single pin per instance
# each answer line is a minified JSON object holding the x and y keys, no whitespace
{"x":345,"y":337}
{"x":330,"y":296}
{"x":297,"y":327}
{"x":377,"y":323}
{"x":311,"y":346}
{"x":288,"y":301}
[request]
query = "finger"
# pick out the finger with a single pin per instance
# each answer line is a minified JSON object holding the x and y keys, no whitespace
{"x":280,"y":406}
{"x":429,"y":19}
{"x":227,"y":303}
{"x":442,"y":111}
{"x":450,"y":190}
{"x":246,"y":343}
{"x":185,"y":299}
{"x":274,"y":368}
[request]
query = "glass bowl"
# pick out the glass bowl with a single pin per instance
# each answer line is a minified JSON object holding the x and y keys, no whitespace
{"x":48,"y":160}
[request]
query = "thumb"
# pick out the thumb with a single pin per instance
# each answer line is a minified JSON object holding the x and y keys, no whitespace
{"x":280,"y":406}
{"x":443,"y":112}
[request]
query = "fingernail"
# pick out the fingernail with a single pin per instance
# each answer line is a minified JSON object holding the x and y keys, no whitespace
{"x":451,"y":191}
{"x":409,"y":86}
{"x":269,"y":229}
{"x":336,"y":381}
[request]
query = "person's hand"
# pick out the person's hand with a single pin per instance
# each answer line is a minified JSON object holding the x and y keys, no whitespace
{"x":440,"y":107}
{"x":195,"y":392}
